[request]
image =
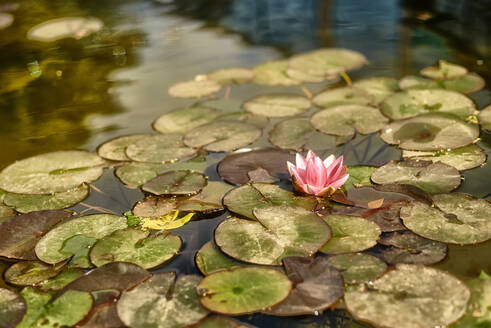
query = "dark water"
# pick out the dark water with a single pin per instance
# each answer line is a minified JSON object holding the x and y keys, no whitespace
{"x":76,"y":94}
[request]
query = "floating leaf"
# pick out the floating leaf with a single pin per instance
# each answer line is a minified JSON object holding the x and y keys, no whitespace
{"x":194,"y":88}
{"x":21,"y":233}
{"x":114,"y":149}
{"x":273,"y":73}
{"x":345,"y":119}
{"x":159,"y":149}
{"x":79,"y":247}
{"x":24,"y":203}
{"x":184,"y":119}
{"x":350,"y":234}
{"x":154,"y":207}
{"x":163,"y":302}
{"x":66,"y":27}
{"x":410,"y":296}
{"x":387,"y":218}
{"x":182,"y":182}
{"x":279,"y":231}
{"x":434,"y":178}
{"x":104,"y":312}
{"x":210,"y":259}
{"x":31,"y":273}
{"x":342,"y":96}
{"x":368,"y":197}
{"x":51,"y":172}
{"x":220,"y":322}
{"x":299,"y":134}
{"x":378,"y":88}
{"x":302,"y":76}
{"x":463,"y":158}
{"x":258,"y":121}
{"x":49,"y":247}
{"x":317,"y":286}
{"x":61,"y":280}
{"x":277,"y":105}
{"x":166,"y":222}
{"x":235,"y":75}
{"x":359,"y":176}
{"x":444,"y":70}
{"x":12,"y":308}
{"x":135,"y":246}
{"x":6,"y":213}
{"x":209,"y":200}
{"x":412,"y":103}
{"x":430,"y":132}
{"x":478,"y":313}
{"x":244,"y":199}
{"x":485,"y":118}
{"x":410,"y":248}
{"x":358,"y":267}
{"x":468,"y":83}
{"x":243,"y":290}
{"x":458,"y":219}
{"x":222,"y":136}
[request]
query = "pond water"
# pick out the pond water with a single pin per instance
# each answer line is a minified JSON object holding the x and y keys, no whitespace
{"x":77,"y":94}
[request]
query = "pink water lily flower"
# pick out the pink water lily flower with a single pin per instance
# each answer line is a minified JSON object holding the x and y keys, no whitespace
{"x":313,"y":176}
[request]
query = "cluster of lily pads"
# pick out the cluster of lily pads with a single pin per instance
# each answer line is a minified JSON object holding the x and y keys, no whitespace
{"x":367,"y":248}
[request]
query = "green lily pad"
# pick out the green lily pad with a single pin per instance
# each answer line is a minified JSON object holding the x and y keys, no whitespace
{"x":279,"y":232}
{"x":327,"y":61}
{"x":162,"y":301}
{"x":61,"y":280}
{"x":6,"y":213}
{"x":182,"y":182}
{"x":411,"y":296}
{"x":457,"y":219}
{"x":273,"y":73}
{"x":410,"y":103}
{"x":317,"y":286}
{"x":210,"y":259}
{"x":468,"y":83}
{"x":243,"y":290}
{"x":277,"y":105}
{"x":209,"y":200}
{"x":49,"y":247}
{"x":434,"y":178}
{"x":114,"y":149}
{"x":359,"y":176}
{"x":79,"y":246}
{"x":31,"y":273}
{"x":51,"y":172}
{"x":350,"y":234}
{"x":444,"y":70}
{"x":235,"y":75}
{"x":220,"y":322}
{"x":357,"y":268}
{"x":345,"y":119}
{"x":184,"y":119}
{"x":342,"y":96}
{"x":222,"y":136}
{"x":434,"y":131}
{"x":304,"y":77}
{"x":485,"y":118}
{"x":299,"y":134}
{"x":21,"y":233}
{"x":410,"y":248}
{"x":136,"y":246}
{"x":258,"y":121}
{"x":378,"y":88}
{"x":65,"y":27}
{"x":463,"y":158}
{"x":244,"y":199}
{"x":159,"y":149}
{"x":24,"y":203}
{"x":12,"y":308}
{"x":194,"y":88}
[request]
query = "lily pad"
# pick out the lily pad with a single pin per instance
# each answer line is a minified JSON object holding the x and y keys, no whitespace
{"x":12,"y":308}
{"x":369,"y":197}
{"x":114,"y":149}
{"x":457,"y":219}
{"x":258,"y":121}
{"x":468,"y":83}
{"x":31,"y":273}
{"x":434,"y":178}
{"x":61,"y":280}
{"x":410,"y":296}
{"x":387,"y":218}
{"x":485,"y":118}
{"x":244,"y":199}
{"x":317,"y":286}
{"x":299,"y":134}
{"x":410,"y":248}
{"x":410,"y":103}
{"x":155,"y":207}
{"x":136,"y":246}
{"x":220,"y":322}
{"x":184,"y":119}
{"x":444,"y":70}
{"x":277,"y":105}
{"x":104,"y":312}
{"x":304,"y":77}
{"x":279,"y":232}
{"x":378,"y":88}
{"x":238,"y":168}
{"x":66,"y":27}
{"x":182,"y":182}
{"x":222,"y":136}
{"x":463,"y":158}
{"x":345,"y":119}
{"x":358,"y":267}
{"x":49,"y":247}
{"x":163,"y":302}
{"x":273,"y":73}
{"x":235,"y":75}
{"x":51,"y":172}
{"x":209,"y":200}
{"x":350,"y":234}
{"x":6,"y":213}
{"x":21,"y":233}
{"x":342,"y":96}
{"x":24,"y":203}
{"x":79,"y":247}
{"x":434,"y":131}
{"x":359,"y":176}
{"x":159,"y":149}
{"x":243,"y":290}
{"x":194,"y":88}
{"x":210,"y":259}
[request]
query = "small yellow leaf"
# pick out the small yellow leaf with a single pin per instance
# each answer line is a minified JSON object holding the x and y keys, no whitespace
{"x":166,"y":222}
{"x":376,"y":203}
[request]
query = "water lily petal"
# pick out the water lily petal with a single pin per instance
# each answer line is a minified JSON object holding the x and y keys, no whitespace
{"x":339,"y":182}
{"x":300,"y":161}
{"x":328,"y":161}
{"x":334,"y":170}
{"x":320,"y":172}
{"x":294,"y":173}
